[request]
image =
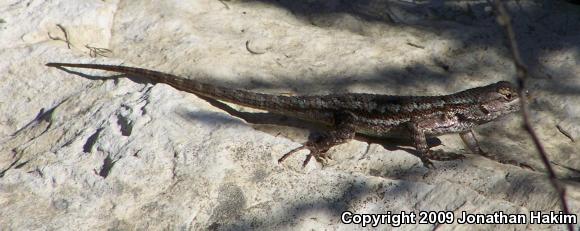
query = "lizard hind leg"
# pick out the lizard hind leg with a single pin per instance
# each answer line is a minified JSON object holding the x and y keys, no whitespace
{"x":342,"y":133}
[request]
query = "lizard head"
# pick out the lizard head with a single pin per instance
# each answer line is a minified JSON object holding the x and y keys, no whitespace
{"x":499,"y":99}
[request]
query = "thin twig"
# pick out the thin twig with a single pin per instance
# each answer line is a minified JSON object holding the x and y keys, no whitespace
{"x":522,"y":74}
{"x":565,"y":133}
{"x":97,"y":51}
{"x":252,"y":51}
{"x":66,"y":39}
{"x":415,"y":45}
{"x":226,"y":5}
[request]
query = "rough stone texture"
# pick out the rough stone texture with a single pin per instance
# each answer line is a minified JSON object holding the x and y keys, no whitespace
{"x":78,"y":153}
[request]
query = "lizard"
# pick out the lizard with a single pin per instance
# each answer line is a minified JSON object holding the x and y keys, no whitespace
{"x":349,"y":114}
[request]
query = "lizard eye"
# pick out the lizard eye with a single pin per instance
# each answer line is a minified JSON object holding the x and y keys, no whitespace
{"x":506,"y":93}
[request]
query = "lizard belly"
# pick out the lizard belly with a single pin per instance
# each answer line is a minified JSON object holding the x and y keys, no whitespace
{"x":443,"y":124}
{"x":376,"y":127}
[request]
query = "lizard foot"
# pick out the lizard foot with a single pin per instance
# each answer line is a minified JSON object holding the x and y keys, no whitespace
{"x":427,"y":163}
{"x":440,"y":155}
{"x":519,"y":164}
{"x":318,"y":153}
{"x":506,"y":161}
{"x":318,"y":146}
{"x":515,"y":163}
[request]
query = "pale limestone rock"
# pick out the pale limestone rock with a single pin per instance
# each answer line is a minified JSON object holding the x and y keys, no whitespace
{"x":81,"y":154}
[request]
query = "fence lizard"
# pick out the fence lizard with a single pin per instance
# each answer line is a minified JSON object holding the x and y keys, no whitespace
{"x":369,"y":114}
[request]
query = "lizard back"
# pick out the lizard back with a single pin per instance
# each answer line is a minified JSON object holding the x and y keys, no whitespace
{"x":318,"y":108}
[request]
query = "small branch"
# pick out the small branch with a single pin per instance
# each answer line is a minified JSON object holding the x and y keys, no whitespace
{"x":97,"y":51}
{"x":252,"y":51}
{"x":66,"y":39}
{"x":226,"y":5}
{"x":565,"y":133}
{"x":522,"y":74}
{"x":415,"y":45}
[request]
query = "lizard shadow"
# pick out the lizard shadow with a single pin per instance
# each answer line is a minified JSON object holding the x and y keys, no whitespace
{"x":315,"y":130}
{"x":350,"y":193}
{"x":94,"y":77}
{"x":114,"y":77}
{"x":333,"y":205}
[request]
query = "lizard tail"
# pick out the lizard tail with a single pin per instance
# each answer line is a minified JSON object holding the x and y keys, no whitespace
{"x":273,"y":103}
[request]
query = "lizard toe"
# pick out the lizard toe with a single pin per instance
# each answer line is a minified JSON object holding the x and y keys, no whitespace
{"x":427,"y":163}
{"x":319,"y":155}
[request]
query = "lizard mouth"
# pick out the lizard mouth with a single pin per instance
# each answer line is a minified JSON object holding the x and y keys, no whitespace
{"x":499,"y":108}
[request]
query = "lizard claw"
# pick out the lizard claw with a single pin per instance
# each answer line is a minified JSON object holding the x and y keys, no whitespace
{"x":320,"y":156}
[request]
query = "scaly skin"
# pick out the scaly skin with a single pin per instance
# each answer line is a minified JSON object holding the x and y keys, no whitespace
{"x":352,"y":113}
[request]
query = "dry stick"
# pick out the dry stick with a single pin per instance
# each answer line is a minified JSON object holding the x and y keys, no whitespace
{"x":97,"y":51}
{"x":66,"y":39}
{"x":65,"y":35}
{"x":252,"y":51}
{"x":522,"y":75}
{"x":226,"y":5}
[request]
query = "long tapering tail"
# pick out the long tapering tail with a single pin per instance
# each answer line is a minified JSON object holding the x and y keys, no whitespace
{"x":273,"y":103}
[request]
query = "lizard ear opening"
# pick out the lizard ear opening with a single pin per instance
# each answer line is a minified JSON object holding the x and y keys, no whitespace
{"x":484,"y":109}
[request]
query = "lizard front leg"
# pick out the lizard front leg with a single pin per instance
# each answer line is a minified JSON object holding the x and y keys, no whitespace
{"x":471,"y":142}
{"x":343,"y":132}
{"x":420,"y":141}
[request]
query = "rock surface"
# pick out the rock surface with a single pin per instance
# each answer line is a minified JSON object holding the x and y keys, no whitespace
{"x":79,"y":153}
